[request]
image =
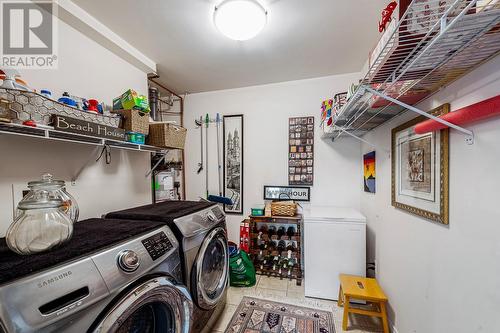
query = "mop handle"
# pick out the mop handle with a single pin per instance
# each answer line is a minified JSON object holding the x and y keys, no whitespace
{"x":218,"y":120}
{"x":207,"y":122}
{"x":201,"y":139}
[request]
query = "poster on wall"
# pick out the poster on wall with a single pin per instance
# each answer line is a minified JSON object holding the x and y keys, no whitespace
{"x":233,"y":162}
{"x":301,"y":151}
{"x":369,"y":172}
{"x":420,"y":169}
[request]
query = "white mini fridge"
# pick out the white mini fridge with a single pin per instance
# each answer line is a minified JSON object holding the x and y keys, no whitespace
{"x":334,"y":243}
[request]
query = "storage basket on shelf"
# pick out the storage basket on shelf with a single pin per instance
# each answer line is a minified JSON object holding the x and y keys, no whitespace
{"x":134,"y":121}
{"x":24,"y":105}
{"x":166,"y":135}
{"x":283,"y":208}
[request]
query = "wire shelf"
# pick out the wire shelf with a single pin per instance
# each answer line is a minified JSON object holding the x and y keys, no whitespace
{"x":434,"y":43}
{"x":50,"y":134}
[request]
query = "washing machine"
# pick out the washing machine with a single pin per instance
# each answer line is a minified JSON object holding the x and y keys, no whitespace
{"x":200,"y":228}
{"x":113,"y":276}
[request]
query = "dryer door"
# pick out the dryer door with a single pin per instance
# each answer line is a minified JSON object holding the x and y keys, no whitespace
{"x":210,"y":273}
{"x":154,"y":306}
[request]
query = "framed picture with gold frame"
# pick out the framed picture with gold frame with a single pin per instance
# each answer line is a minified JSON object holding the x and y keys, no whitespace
{"x":420,"y":169}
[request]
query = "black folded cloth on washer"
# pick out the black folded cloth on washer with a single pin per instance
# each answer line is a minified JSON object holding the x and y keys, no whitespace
{"x":88,"y":237}
{"x":166,"y":211}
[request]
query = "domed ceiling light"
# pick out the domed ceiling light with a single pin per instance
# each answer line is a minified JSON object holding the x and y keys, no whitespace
{"x":240,"y":19}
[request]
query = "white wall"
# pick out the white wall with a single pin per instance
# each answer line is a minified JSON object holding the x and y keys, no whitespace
{"x":444,"y":278}
{"x":266,"y":110}
{"x":85,"y":69}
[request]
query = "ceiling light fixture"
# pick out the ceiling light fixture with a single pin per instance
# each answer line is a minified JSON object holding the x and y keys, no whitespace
{"x":240,"y":19}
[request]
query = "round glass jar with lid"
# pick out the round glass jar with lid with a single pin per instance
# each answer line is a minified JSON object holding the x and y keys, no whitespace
{"x":41,"y":225}
{"x":56,"y":190}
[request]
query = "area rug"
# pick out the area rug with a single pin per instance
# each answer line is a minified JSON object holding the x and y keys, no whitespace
{"x":255,"y":315}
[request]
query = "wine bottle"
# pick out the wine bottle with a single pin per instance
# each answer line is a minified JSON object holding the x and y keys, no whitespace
{"x":263,"y":229}
{"x":269,"y":264}
{"x":281,"y":246}
{"x":291,"y":263}
{"x":284,"y":264}
{"x":271,"y":231}
{"x":290,"y":232}
{"x":271,"y":245}
{"x":259,"y":260}
{"x":275,"y":262}
{"x":291,"y":246}
{"x":264,"y":262}
{"x":280,"y":232}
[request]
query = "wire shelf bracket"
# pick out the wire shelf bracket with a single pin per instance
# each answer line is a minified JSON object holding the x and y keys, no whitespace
{"x":90,"y":159}
{"x":340,"y":129}
{"x":469,"y":135}
{"x":162,"y":159}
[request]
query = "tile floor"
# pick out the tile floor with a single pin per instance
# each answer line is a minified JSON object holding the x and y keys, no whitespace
{"x":286,"y":291}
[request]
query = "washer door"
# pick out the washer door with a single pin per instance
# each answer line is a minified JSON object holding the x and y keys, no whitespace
{"x":154,"y":306}
{"x":211,"y":270}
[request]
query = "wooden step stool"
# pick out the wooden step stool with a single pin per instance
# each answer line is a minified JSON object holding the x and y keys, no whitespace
{"x":365,"y":289}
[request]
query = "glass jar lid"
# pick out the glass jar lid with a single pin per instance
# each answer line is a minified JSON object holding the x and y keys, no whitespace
{"x":40,"y":201}
{"x":47,"y":180}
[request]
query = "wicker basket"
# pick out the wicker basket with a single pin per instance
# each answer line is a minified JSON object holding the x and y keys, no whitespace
{"x":134,"y":121}
{"x":284,"y":208}
{"x":24,"y":105}
{"x":166,"y":135}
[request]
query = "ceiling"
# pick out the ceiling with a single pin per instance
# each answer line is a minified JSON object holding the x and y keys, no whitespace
{"x":302,"y":39}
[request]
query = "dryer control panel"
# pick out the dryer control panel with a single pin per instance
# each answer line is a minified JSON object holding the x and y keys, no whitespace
{"x":219,"y":214}
{"x":157,"y":245}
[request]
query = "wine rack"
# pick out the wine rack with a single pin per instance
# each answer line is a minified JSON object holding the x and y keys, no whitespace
{"x":276,"y":246}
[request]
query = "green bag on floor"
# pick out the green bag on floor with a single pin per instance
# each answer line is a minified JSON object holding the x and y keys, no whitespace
{"x":241,"y":270}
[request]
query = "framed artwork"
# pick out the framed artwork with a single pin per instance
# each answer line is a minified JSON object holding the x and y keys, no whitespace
{"x":420,"y":169}
{"x":301,"y":151}
{"x":369,"y":172}
{"x":233,"y":162}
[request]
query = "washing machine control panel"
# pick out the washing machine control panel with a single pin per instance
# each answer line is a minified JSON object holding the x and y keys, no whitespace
{"x":219,"y":214}
{"x":157,"y":245}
